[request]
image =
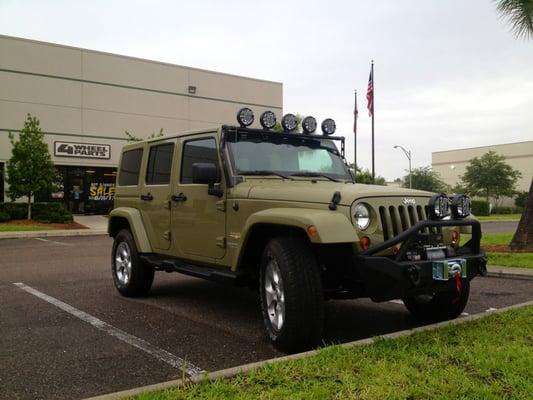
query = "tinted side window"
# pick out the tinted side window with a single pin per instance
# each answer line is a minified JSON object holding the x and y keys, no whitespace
{"x":159,"y":164}
{"x":197,"y":151}
{"x":130,"y":167}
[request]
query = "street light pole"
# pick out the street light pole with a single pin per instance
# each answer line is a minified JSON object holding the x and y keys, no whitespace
{"x":408,"y":155}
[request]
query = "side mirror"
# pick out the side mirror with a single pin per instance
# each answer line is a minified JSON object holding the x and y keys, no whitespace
{"x":205,"y":173}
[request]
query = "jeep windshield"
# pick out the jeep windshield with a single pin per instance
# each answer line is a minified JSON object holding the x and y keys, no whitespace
{"x":287,"y":157}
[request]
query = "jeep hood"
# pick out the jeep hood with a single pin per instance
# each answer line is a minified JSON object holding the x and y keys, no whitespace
{"x":318,"y":191}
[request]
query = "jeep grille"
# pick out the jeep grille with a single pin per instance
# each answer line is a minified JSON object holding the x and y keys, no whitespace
{"x":396,"y":219}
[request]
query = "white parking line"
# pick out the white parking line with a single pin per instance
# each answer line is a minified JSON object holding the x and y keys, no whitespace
{"x":53,"y":241}
{"x":160,"y":354}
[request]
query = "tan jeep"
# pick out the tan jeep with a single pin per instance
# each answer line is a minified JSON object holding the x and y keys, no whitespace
{"x":279,"y":211}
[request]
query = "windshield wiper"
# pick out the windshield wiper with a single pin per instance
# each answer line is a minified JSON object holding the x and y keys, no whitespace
{"x":315,"y":175}
{"x":264,"y":172}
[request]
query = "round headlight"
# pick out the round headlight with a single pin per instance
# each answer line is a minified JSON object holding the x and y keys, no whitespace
{"x":245,"y":117}
{"x":267,"y":120}
{"x":439,"y":206}
{"x":328,"y":126}
{"x":361,"y":216}
{"x":309,"y":125}
{"x":289,"y":122}
{"x":461,"y":206}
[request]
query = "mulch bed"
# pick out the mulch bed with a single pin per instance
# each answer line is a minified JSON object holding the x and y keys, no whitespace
{"x":501,"y":248}
{"x":73,"y":225}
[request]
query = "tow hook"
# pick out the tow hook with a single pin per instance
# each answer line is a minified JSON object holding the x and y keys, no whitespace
{"x":413,"y":273}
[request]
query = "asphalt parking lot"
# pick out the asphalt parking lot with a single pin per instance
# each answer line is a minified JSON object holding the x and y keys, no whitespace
{"x":66,"y":333}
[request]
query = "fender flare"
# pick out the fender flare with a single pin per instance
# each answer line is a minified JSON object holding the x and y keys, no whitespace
{"x":134,"y":218}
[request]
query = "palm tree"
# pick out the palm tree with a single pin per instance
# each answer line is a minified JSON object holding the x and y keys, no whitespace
{"x":519,"y":14}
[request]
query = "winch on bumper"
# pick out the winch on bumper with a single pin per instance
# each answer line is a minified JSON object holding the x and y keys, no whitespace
{"x":419,"y":266}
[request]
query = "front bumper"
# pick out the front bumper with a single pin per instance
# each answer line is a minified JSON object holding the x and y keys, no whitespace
{"x":386,"y":278}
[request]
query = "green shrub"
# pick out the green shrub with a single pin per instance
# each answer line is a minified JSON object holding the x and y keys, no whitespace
{"x":15,"y":210}
{"x":480,"y":207}
{"x":4,"y":216}
{"x":51,"y":212}
{"x":520,"y":200}
{"x":503,"y":210}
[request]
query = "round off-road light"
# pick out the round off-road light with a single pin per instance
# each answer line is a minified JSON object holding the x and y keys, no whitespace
{"x":245,"y":117}
{"x":461,"y":206}
{"x":309,"y":125}
{"x":289,"y":122}
{"x":267,"y":120}
{"x":439,"y":206}
{"x":361,"y":216}
{"x":328,"y":126}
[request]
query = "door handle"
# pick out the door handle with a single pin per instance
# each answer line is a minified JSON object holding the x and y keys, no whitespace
{"x":179,"y":197}
{"x":147,"y":197}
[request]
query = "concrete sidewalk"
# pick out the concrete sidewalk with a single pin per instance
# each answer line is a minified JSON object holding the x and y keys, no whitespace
{"x":96,"y":225}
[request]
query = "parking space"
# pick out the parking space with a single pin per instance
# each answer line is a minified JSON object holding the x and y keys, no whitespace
{"x":66,"y":333}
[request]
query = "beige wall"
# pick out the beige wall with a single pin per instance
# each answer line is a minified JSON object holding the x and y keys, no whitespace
{"x":93,"y":97}
{"x":450,"y":165}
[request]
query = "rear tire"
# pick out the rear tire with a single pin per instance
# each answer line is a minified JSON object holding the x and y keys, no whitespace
{"x":439,"y":307}
{"x":291,"y":295}
{"x":131,"y":276}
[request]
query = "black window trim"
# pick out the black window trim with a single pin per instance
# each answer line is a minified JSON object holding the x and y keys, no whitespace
{"x":195,"y":139}
{"x":141,"y":149}
{"x":149,"y":148}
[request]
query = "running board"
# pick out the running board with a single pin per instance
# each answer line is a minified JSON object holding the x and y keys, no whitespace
{"x":174,"y":265}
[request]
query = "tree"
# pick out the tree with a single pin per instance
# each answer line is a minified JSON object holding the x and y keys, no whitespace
{"x":523,"y":237}
{"x":133,"y":138}
{"x":519,"y":14}
{"x":30,"y":169}
{"x":424,"y":178}
{"x":490,"y":177}
{"x":365,"y":176}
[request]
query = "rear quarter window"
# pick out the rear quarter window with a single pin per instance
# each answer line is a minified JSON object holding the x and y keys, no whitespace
{"x":130,"y":167}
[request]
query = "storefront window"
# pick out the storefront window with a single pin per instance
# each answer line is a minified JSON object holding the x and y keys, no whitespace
{"x":85,"y":190}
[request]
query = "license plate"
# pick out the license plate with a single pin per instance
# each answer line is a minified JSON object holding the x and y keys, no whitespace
{"x":446,"y":269}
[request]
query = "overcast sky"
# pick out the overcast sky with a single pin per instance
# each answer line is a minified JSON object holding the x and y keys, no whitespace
{"x":448,"y":74}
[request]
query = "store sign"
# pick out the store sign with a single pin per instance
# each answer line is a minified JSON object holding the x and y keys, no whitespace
{"x":101,"y":191}
{"x":82,"y":150}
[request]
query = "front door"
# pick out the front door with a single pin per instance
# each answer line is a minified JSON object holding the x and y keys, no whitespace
{"x":155,"y":194}
{"x":198,"y":219}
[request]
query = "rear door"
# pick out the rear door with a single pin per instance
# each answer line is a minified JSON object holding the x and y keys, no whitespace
{"x":155,"y":193}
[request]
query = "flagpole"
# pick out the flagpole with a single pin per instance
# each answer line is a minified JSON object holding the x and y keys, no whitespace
{"x":373,"y":90}
{"x":355,"y":112}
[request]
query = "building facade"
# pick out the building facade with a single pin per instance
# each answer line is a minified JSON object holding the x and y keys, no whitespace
{"x":86,"y":100}
{"x":451,"y":164}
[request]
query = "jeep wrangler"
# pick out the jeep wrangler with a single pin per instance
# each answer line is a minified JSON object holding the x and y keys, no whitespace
{"x":279,"y":211}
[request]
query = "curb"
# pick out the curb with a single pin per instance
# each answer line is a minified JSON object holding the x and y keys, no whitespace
{"x":495,"y":271}
{"x":231,"y":372}
{"x":56,"y":233}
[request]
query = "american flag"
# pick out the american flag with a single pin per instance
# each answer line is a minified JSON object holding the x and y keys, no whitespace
{"x":370,"y":93}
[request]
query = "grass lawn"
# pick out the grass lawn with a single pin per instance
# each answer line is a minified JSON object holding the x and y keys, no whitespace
{"x":484,"y":359}
{"x":7,"y":227}
{"x":496,"y":238}
{"x":499,"y":217}
{"x":503,"y":258}
{"x":518,"y":260}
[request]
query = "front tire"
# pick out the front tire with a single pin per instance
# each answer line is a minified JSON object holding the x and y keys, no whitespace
{"x":291,"y":295}
{"x":131,"y":276}
{"x":440,"y":306}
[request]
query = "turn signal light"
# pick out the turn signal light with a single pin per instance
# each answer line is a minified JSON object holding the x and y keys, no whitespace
{"x":365,"y":242}
{"x":455,"y":237}
{"x":312,"y":231}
